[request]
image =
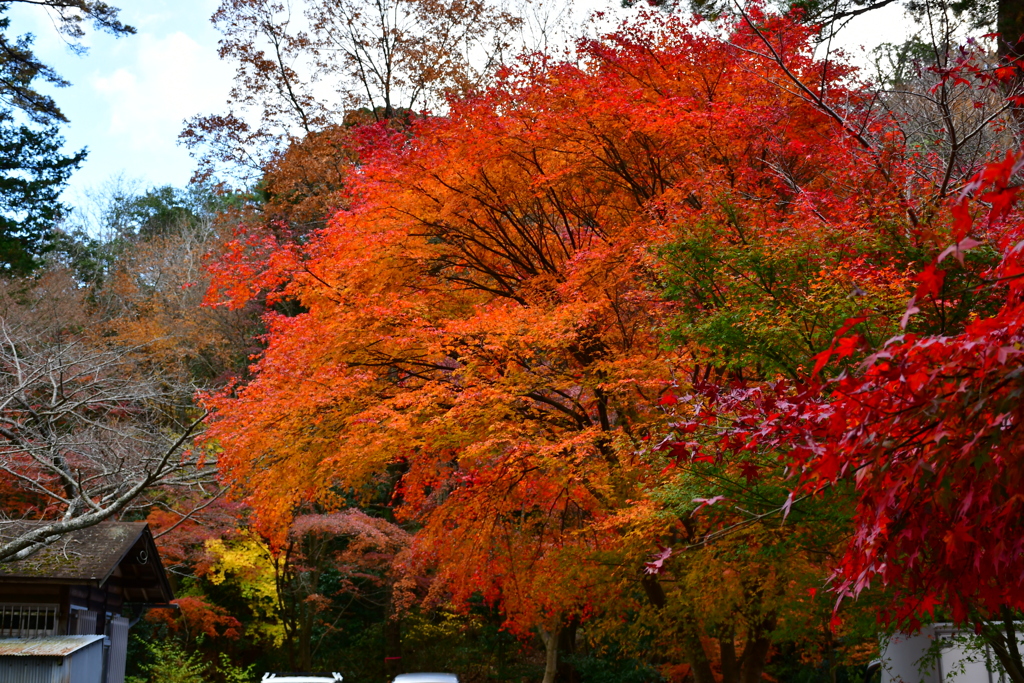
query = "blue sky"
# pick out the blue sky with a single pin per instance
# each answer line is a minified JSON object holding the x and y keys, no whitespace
{"x":129,"y":96}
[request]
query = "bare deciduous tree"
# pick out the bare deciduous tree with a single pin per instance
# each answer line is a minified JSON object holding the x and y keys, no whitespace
{"x":87,"y":427}
{"x":302,"y":65}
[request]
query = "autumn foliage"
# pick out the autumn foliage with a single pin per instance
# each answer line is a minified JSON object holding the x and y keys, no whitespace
{"x":609,"y":313}
{"x":926,"y":425}
{"x":687,"y":353}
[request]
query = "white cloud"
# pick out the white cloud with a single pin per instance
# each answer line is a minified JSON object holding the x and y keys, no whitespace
{"x":166,"y":80}
{"x":130,"y":95}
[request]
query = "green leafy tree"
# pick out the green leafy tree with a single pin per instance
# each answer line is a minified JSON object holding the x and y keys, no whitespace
{"x":33,"y":172}
{"x":172,"y":664}
{"x":20,"y":69}
{"x":120,"y":215}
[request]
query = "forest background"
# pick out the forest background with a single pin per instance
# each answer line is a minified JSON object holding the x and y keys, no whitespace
{"x":486,"y":340}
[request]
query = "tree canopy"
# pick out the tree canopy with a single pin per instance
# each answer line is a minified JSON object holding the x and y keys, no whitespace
{"x":33,"y":169}
{"x":690,"y":354}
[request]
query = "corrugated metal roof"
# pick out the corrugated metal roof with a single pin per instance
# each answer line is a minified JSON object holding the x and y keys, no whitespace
{"x":53,"y":646}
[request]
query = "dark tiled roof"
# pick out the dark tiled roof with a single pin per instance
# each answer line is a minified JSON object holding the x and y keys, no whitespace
{"x":84,"y":556}
{"x":90,"y":556}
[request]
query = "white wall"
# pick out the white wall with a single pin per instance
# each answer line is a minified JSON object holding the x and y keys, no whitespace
{"x":904,"y":659}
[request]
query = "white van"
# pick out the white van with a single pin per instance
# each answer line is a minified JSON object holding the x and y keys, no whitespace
{"x":426,"y":678}
{"x":301,"y":678}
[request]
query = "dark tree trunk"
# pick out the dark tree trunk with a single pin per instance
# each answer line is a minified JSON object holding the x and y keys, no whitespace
{"x":1003,"y":639}
{"x":392,"y":642}
{"x":567,"y":673}
{"x":307,"y":619}
{"x":730,"y":662}
{"x":748,"y":666}
{"x":700,"y":664}
{"x":687,"y":634}
{"x":755,"y":655}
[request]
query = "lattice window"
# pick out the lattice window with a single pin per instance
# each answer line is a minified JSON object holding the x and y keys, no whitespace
{"x":28,"y":621}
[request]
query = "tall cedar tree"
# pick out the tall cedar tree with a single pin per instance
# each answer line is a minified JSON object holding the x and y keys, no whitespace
{"x":33,"y":173}
{"x":32,"y":170}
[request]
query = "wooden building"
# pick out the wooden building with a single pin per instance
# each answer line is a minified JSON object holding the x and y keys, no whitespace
{"x":92,"y":582}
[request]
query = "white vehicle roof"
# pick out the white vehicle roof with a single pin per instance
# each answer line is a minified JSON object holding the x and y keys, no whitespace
{"x":301,"y":678}
{"x":426,"y":678}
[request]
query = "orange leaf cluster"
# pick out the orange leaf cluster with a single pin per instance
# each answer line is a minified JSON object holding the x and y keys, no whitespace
{"x":484,"y":317}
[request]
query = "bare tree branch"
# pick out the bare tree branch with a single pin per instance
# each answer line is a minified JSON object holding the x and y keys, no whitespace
{"x":87,"y":424}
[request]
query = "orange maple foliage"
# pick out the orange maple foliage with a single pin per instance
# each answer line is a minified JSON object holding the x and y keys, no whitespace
{"x":485,"y":319}
{"x":196,"y":617}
